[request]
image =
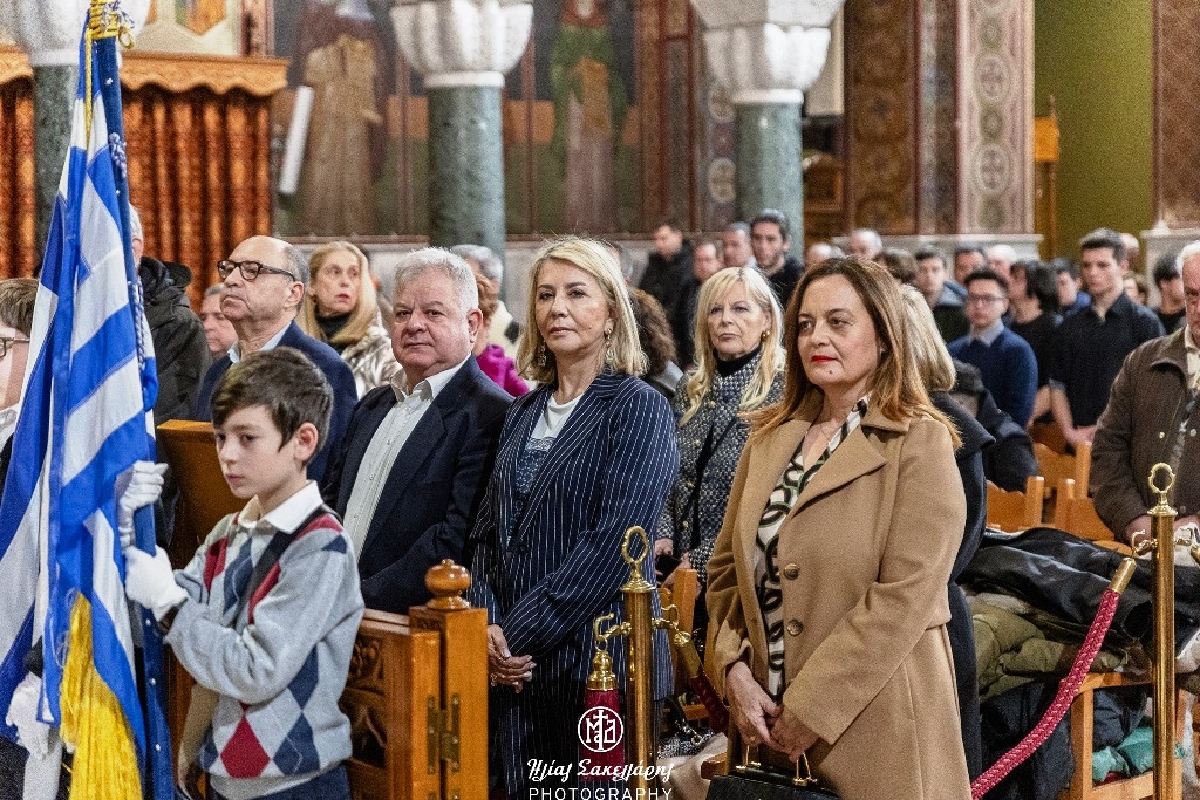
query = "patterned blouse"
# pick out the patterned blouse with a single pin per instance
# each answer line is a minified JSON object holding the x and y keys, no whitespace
{"x":710,"y":444}
{"x":766,"y":570}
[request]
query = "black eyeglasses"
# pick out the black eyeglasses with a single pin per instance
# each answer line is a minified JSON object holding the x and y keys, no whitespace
{"x":250,"y":269}
{"x":8,"y":341}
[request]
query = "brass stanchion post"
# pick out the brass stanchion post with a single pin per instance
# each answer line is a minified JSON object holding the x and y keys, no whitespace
{"x":1163,"y":543}
{"x":638,"y":593}
{"x":638,"y":628}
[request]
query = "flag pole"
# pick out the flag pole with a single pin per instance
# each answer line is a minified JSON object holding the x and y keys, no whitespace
{"x":111,"y":762}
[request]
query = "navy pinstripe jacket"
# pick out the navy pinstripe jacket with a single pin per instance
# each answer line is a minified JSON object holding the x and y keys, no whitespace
{"x":546,"y":570}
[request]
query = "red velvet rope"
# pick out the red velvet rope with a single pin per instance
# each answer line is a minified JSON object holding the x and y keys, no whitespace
{"x":1062,"y":701}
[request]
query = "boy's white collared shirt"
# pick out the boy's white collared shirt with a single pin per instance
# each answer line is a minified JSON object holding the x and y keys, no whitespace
{"x":290,"y":514}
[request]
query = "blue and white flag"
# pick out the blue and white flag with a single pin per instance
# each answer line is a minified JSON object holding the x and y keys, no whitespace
{"x":85,"y":419}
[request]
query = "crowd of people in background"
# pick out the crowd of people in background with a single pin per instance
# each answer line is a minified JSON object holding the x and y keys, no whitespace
{"x":734,"y":400}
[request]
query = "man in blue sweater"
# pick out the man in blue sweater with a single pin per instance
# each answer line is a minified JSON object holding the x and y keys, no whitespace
{"x":1005,"y":360}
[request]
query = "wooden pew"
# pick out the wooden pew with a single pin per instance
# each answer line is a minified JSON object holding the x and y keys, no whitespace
{"x":1055,"y":467}
{"x":1076,"y":514}
{"x":1082,"y":709}
{"x":1016,"y":511}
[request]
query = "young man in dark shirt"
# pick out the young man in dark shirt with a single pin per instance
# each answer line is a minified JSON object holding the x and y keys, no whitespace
{"x":770,"y":239}
{"x":1093,"y":341}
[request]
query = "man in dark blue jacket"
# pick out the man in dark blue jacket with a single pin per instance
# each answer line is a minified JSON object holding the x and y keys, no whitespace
{"x":413,"y":469}
{"x":265,"y":280}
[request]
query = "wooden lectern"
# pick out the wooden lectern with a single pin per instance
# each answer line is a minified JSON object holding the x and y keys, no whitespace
{"x":417,"y":690}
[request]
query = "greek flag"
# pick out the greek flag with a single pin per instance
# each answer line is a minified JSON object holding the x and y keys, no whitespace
{"x":85,"y":419}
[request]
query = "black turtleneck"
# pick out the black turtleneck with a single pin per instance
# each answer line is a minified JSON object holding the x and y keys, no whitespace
{"x":331,"y":326}
{"x":727,"y":368}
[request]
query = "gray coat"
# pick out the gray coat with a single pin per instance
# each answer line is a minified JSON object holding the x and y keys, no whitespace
{"x":696,"y":505}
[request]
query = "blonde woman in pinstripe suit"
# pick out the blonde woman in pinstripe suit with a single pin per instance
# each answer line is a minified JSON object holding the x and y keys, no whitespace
{"x":581,"y":459}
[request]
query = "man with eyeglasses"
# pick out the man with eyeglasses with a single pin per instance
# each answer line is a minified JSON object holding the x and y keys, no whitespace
{"x":17,"y":298}
{"x":264,"y":285}
{"x":1005,"y":360}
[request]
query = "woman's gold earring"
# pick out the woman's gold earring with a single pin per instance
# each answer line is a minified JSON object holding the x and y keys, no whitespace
{"x":541,"y":355}
{"x":610,"y":356}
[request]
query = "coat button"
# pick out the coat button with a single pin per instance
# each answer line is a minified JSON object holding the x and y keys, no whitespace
{"x":684,"y":524}
{"x":1162,"y":434}
{"x":795,"y":627}
{"x":696,"y":442}
{"x":791,"y":572}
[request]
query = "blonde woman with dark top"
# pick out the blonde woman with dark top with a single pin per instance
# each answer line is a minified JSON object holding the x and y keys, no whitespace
{"x":739,"y":369}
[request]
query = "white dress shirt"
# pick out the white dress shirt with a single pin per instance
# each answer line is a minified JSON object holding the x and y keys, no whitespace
{"x":385,"y":445}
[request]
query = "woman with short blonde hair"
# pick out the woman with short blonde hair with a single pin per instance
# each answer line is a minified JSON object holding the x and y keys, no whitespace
{"x":622,"y":344}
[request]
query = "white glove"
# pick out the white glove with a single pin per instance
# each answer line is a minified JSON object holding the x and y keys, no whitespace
{"x":138,"y":486}
{"x":150,"y":581}
{"x":22,"y":714}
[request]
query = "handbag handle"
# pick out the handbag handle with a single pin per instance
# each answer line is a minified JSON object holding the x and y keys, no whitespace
{"x":807,"y":779}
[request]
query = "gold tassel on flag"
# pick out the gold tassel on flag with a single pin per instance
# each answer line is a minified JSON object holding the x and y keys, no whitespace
{"x":93,"y":722}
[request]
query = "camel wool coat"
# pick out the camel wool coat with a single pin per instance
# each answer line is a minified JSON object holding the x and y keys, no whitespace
{"x":863,"y":559}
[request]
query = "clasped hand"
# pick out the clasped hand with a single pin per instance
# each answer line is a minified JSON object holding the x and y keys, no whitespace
{"x":505,"y":669}
{"x":760,"y":719}
{"x":149,"y":579}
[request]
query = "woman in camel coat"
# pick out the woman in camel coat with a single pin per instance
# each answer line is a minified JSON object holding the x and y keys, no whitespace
{"x":827,"y":589}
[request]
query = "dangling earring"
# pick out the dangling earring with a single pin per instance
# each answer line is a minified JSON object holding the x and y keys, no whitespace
{"x":541,"y":355}
{"x":610,"y":356}
{"x":764,"y":336}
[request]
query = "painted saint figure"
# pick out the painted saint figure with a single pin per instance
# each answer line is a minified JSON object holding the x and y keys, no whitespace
{"x":589,"y":108}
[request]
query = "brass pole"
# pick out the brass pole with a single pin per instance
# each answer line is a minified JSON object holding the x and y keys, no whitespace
{"x":1163,"y":525}
{"x":638,"y":593}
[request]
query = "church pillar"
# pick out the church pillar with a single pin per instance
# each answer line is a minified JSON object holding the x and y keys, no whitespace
{"x":766,"y":55}
{"x":463,"y":49}
{"x":1176,"y":148}
{"x":48,"y":31}
{"x":939,"y":117}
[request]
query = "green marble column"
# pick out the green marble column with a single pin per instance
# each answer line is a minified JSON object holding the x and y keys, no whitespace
{"x":466,"y":167}
{"x":769,"y":171}
{"x":53,"y":102}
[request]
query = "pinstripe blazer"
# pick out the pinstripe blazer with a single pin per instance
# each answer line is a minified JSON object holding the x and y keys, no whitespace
{"x":546,"y":570}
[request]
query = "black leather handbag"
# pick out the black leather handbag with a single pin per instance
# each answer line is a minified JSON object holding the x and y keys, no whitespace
{"x":751,"y":780}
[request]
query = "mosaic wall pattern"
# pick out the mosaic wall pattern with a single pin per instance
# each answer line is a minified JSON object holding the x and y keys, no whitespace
{"x":1177,"y":129}
{"x":940,"y":115}
{"x":881,"y":111}
{"x":996,"y":84}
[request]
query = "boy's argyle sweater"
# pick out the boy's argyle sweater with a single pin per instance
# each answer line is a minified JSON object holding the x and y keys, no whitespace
{"x":281,"y":665}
